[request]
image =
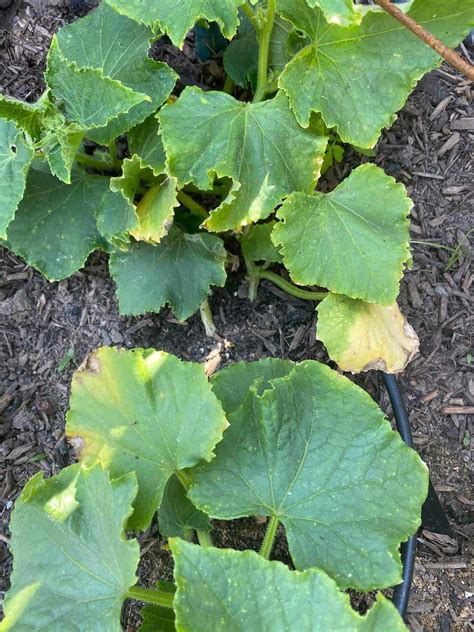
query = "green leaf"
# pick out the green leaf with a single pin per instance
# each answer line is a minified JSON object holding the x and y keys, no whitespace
{"x":116,"y":218}
{"x":177,"y":515}
{"x":231,"y":385}
{"x":101,"y":99}
{"x":239,"y":591}
{"x":365,"y":337}
{"x":258,"y":246}
{"x":28,"y":116}
{"x":118,"y":48}
{"x":315,"y":452}
{"x":127,"y":412}
{"x":16,"y":156}
{"x":144,"y":141}
{"x":359,"y":77}
{"x":72,"y":564}
{"x":55,"y":226}
{"x":60,"y":155}
{"x":158,"y":618}
{"x":176,"y":19}
{"x":340,"y":12}
{"x":259,"y":145}
{"x":353,"y":241}
{"x":178,"y":271}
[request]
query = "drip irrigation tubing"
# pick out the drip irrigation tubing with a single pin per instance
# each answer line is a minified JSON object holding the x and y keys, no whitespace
{"x":401,"y":593}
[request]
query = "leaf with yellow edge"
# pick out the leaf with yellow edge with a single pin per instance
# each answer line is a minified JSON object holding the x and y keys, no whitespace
{"x":155,"y":212}
{"x":362,"y":336}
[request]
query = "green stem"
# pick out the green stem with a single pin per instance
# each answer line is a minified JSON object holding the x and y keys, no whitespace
{"x":94,"y":163}
{"x":207,"y":319}
{"x":156,"y":597}
{"x":184,"y":479}
{"x":269,"y":539}
{"x":193,"y":206}
{"x":306,"y":295}
{"x":228,"y":85}
{"x":249,"y":12}
{"x":204,"y":539}
{"x":264,"y":53}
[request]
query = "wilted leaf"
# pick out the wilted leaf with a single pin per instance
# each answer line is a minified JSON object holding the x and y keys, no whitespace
{"x":237,"y":591}
{"x":178,"y":271}
{"x":353,"y":241}
{"x":144,"y":141}
{"x":359,"y":77}
{"x":127,"y":412}
{"x":177,"y":515}
{"x":15,"y":159}
{"x":259,"y":145}
{"x":176,"y":19}
{"x":363,"y":337}
{"x":72,"y":566}
{"x":314,"y":451}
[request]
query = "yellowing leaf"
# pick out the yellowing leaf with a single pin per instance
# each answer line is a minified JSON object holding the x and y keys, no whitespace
{"x":155,"y":212}
{"x":362,"y":336}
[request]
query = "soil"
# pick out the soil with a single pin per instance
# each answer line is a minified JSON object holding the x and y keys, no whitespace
{"x":47,"y":329}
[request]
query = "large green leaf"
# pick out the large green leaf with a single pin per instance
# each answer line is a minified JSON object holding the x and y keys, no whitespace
{"x":118,"y":47}
{"x":56,"y":225}
{"x":178,"y":271}
{"x":177,"y":18}
{"x":259,"y":145}
{"x":15,"y":159}
{"x":72,"y":566}
{"x":353,"y":241}
{"x":315,"y":452}
{"x":359,"y":77}
{"x":101,"y":98}
{"x":128,"y":412}
{"x":235,"y":591}
{"x":177,"y":515}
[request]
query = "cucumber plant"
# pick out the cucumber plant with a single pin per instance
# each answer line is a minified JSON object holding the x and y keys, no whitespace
{"x":296,"y":443}
{"x":304,"y":79}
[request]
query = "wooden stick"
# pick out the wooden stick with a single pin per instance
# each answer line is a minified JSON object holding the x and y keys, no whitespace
{"x":433,"y":42}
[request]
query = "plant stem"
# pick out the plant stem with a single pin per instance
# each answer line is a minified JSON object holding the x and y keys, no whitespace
{"x":184,"y":479}
{"x":207,"y":319}
{"x":204,"y":539}
{"x":306,"y":295}
{"x":428,"y":38}
{"x":249,"y":12}
{"x":228,"y":85}
{"x":264,"y":53}
{"x":193,"y":206}
{"x":93,"y":163}
{"x":156,"y":597}
{"x":269,"y":539}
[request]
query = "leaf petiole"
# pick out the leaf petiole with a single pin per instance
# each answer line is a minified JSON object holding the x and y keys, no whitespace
{"x":264,"y":40}
{"x":207,"y":319}
{"x":155,"y":597}
{"x":204,"y":538}
{"x":249,"y":12}
{"x":193,"y":206}
{"x":269,"y":539}
{"x":307,"y":295}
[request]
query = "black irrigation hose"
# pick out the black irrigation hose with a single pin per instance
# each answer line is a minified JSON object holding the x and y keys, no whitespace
{"x":401,"y":593}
